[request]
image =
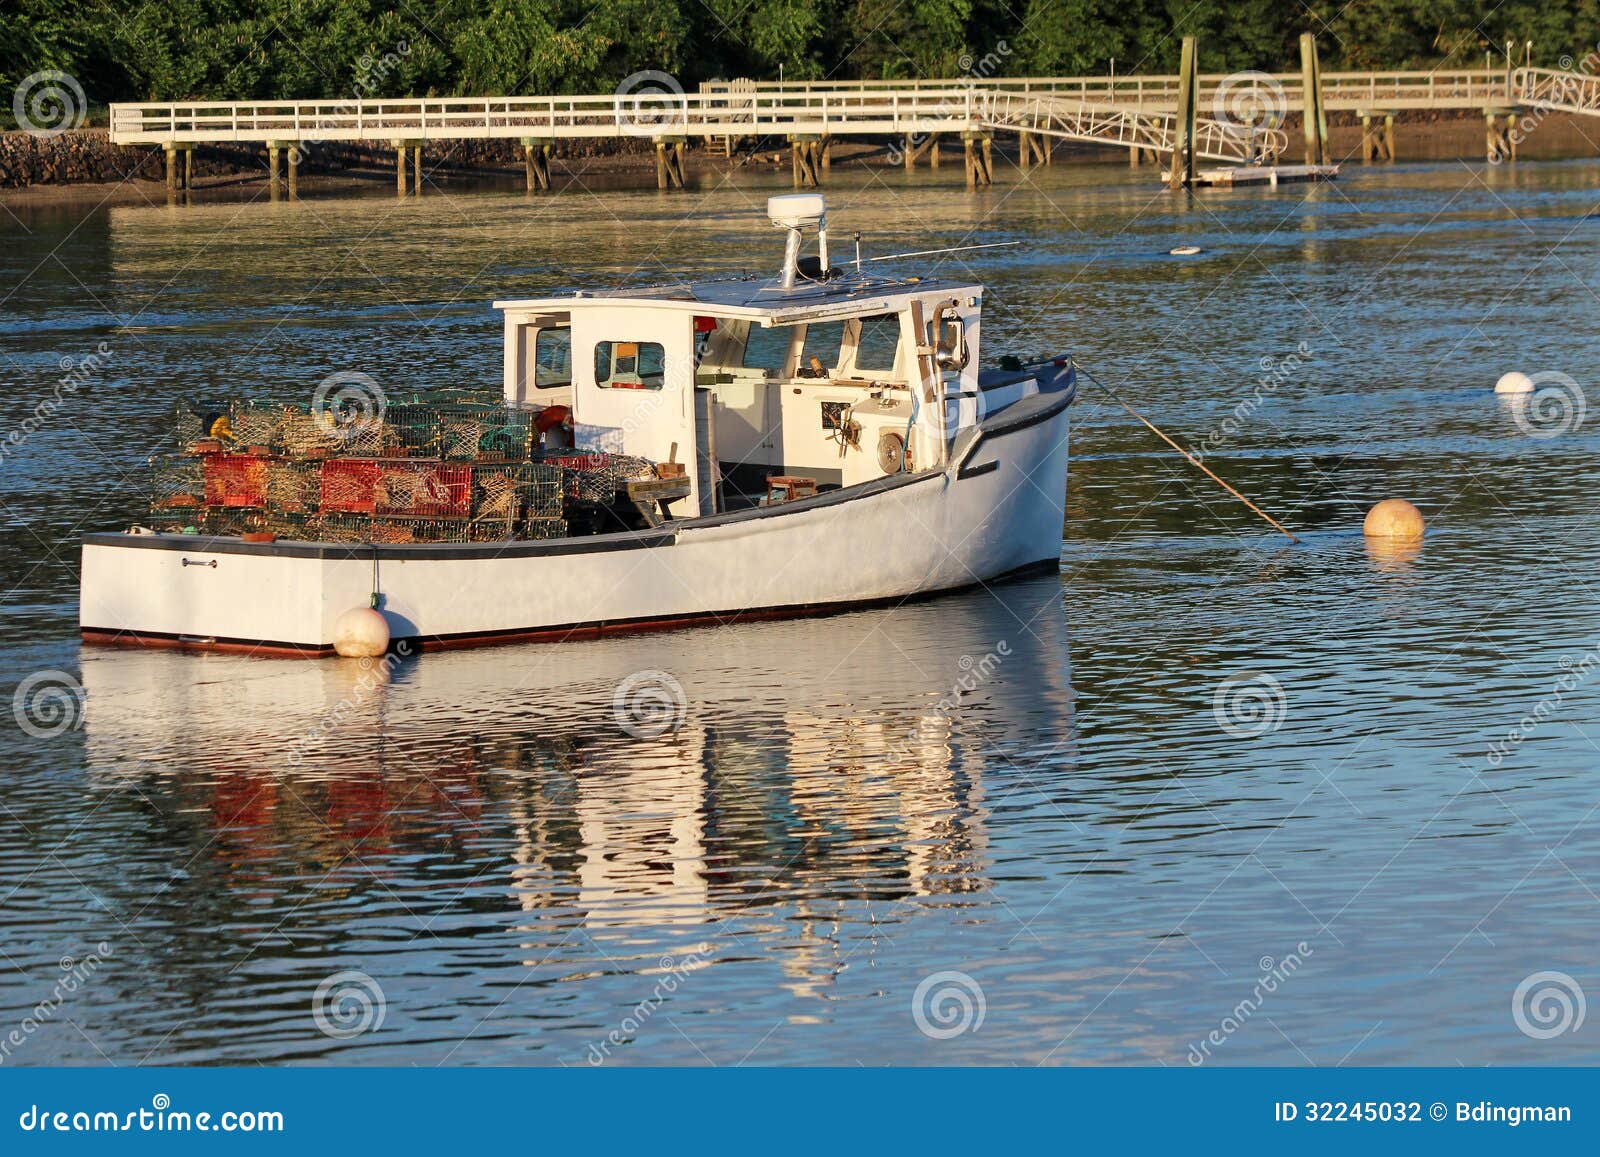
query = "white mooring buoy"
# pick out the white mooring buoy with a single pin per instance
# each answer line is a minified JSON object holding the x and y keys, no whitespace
{"x":1394,"y":518}
{"x":361,"y":633}
{"x":1184,"y":250}
{"x":1516,"y":382}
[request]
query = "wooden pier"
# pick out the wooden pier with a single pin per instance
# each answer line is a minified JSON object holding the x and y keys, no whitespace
{"x":1152,"y":117}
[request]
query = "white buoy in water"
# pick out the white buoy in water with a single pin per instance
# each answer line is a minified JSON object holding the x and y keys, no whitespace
{"x":1184,"y":250}
{"x":1394,"y":518}
{"x":361,"y":633}
{"x":1516,"y":382}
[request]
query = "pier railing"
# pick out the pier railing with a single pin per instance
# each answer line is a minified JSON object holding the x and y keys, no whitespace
{"x":748,"y":108}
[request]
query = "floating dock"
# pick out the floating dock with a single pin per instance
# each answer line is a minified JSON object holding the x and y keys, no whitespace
{"x":1266,"y":174}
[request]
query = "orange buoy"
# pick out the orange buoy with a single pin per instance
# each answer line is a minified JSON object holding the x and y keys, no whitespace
{"x":1394,"y":518}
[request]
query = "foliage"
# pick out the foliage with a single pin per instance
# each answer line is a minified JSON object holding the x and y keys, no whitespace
{"x":277,"y":49}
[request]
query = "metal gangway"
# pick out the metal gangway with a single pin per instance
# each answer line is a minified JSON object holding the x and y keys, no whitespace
{"x":1556,"y":91}
{"x":1106,"y":124}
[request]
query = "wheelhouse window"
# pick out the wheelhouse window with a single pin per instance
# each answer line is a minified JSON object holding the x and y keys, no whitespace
{"x":876,"y":344}
{"x":630,"y":365}
{"x":552,"y":358}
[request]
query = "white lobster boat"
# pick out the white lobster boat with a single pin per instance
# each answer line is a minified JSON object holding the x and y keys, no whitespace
{"x":841,"y":447}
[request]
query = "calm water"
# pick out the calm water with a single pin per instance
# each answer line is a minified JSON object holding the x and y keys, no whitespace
{"x":1348,"y":871}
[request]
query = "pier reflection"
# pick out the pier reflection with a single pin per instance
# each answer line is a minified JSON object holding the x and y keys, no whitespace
{"x":804,"y":764}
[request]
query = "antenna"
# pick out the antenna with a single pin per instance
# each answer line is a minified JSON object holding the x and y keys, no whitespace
{"x":858,"y":251}
{"x":930,"y":252}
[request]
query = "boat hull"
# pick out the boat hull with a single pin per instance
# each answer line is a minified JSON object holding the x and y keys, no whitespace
{"x":995,"y":511}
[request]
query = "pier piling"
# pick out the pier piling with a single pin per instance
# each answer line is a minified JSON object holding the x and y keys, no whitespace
{"x":1180,"y":174}
{"x":399,"y":169}
{"x":1314,"y":114}
{"x":416,"y":169}
{"x":274,"y":177}
{"x":536,"y":163}
{"x":294,"y":172}
{"x":669,"y":162}
{"x":1500,"y":136}
{"x":979,"y":150}
{"x":1377,"y":135}
{"x":805,"y":153}
{"x":180,"y":174}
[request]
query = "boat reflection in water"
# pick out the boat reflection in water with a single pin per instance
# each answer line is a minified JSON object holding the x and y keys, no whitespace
{"x":634,"y":790}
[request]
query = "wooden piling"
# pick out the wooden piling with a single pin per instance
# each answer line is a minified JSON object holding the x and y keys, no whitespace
{"x":416,"y":168}
{"x":1312,"y":110}
{"x":273,"y":179}
{"x":188,"y":168}
{"x":669,"y":162}
{"x":399,"y":169}
{"x":978,"y":148}
{"x":1500,"y":134}
{"x":1181,"y":173}
{"x":294,"y":172}
{"x":536,"y":163}
{"x":806,"y":161}
{"x":1377,"y":135}
{"x":933,"y":150}
{"x":1024,"y":151}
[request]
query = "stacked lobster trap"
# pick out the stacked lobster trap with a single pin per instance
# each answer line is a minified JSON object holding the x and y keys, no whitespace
{"x":412,"y":473}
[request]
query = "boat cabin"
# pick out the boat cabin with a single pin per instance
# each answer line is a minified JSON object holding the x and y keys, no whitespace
{"x":830,"y":376}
